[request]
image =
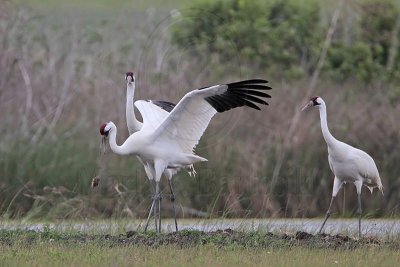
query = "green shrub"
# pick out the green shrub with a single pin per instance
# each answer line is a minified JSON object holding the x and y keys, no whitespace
{"x":285,"y":37}
{"x":265,"y":35}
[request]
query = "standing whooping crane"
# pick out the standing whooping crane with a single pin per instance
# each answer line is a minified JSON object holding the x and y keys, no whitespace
{"x":347,"y":163}
{"x":160,"y":110}
{"x":168,"y":143}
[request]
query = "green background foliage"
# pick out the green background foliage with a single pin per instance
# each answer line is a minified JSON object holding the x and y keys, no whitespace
{"x":285,"y":37}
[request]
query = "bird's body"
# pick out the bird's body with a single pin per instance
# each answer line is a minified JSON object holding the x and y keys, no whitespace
{"x":168,"y":142}
{"x":150,"y":151}
{"x":160,"y":110}
{"x":348,"y":164}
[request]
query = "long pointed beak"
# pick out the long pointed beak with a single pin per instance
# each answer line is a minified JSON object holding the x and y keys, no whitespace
{"x":309,"y":104}
{"x":103,"y":144}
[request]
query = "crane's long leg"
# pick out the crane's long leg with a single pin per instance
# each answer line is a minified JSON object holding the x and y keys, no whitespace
{"x":337,"y":184}
{"x":155,"y":197}
{"x":173,"y":202}
{"x":359,"y":215}
{"x":328,"y":214}
{"x":149,"y":216}
{"x":159,"y":168}
{"x":358,"y":185}
{"x":158,"y":194}
{"x":152,"y":207}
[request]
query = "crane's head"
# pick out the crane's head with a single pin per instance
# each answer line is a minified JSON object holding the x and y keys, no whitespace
{"x":314,"y":101}
{"x":104,"y":131}
{"x":129,"y":77}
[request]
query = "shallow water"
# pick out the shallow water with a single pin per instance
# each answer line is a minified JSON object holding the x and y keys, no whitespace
{"x":375,"y":227}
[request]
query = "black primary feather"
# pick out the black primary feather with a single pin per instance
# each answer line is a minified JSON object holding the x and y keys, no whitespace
{"x":165,"y":105}
{"x":243,"y":93}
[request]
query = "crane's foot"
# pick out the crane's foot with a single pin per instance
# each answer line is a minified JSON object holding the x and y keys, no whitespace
{"x":192,"y":172}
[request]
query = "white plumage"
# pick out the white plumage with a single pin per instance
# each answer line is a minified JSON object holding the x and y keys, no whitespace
{"x":153,"y":112}
{"x":348,"y":164}
{"x":170,"y":145}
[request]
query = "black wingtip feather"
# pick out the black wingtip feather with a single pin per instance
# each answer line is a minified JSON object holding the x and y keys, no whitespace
{"x":251,"y":98}
{"x":252,"y":81}
{"x":243,"y":93}
{"x":215,"y":103}
{"x":165,"y":105}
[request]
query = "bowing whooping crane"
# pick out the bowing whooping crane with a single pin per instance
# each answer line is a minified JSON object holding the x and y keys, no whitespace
{"x":161,"y":110}
{"x":348,"y":164}
{"x":168,"y":143}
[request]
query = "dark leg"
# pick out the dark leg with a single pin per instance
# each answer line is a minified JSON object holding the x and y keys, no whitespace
{"x":173,"y":203}
{"x":328,"y":213}
{"x":152,"y":211}
{"x":359,"y":215}
{"x":148,"y":217}
{"x":158,"y":194}
{"x":155,"y":208}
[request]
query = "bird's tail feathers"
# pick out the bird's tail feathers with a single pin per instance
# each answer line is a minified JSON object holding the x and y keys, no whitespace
{"x":190,"y":169}
{"x":371,"y":189}
{"x":380,"y":187}
{"x":195,"y":158}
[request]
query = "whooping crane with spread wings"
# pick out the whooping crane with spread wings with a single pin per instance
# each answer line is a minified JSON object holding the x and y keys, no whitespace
{"x":169,"y":142}
{"x":160,"y":110}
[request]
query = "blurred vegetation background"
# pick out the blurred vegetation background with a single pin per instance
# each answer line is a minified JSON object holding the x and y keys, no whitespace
{"x":62,"y":69}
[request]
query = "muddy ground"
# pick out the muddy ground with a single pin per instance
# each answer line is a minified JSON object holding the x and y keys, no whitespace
{"x":186,"y":238}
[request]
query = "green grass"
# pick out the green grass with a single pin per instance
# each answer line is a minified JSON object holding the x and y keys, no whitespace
{"x":48,"y":254}
{"x":221,"y":248}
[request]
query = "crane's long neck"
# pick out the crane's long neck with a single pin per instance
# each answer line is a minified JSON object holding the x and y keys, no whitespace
{"x":121,"y":150}
{"x":329,"y":139}
{"x":133,"y":124}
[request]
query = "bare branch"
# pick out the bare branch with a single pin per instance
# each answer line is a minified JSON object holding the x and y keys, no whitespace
{"x":29,"y":96}
{"x":311,"y":88}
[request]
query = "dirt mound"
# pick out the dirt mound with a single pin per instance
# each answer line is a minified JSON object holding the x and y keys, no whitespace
{"x":229,"y":237}
{"x":189,"y":238}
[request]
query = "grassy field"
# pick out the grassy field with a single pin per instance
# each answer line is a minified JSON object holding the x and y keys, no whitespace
{"x":221,"y":248}
{"x":48,"y":254}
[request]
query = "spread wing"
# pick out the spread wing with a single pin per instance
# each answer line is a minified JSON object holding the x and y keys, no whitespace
{"x":187,"y":122}
{"x":153,"y":112}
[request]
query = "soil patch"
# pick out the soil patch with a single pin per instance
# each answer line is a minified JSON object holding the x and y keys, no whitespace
{"x":220,"y":238}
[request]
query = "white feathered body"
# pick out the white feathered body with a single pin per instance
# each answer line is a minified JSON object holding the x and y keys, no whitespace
{"x":350,"y":164}
{"x":142,"y":144}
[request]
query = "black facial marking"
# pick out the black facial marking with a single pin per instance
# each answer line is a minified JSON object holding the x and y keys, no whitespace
{"x":314,"y":100}
{"x":131,"y":75}
{"x":102,"y":130}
